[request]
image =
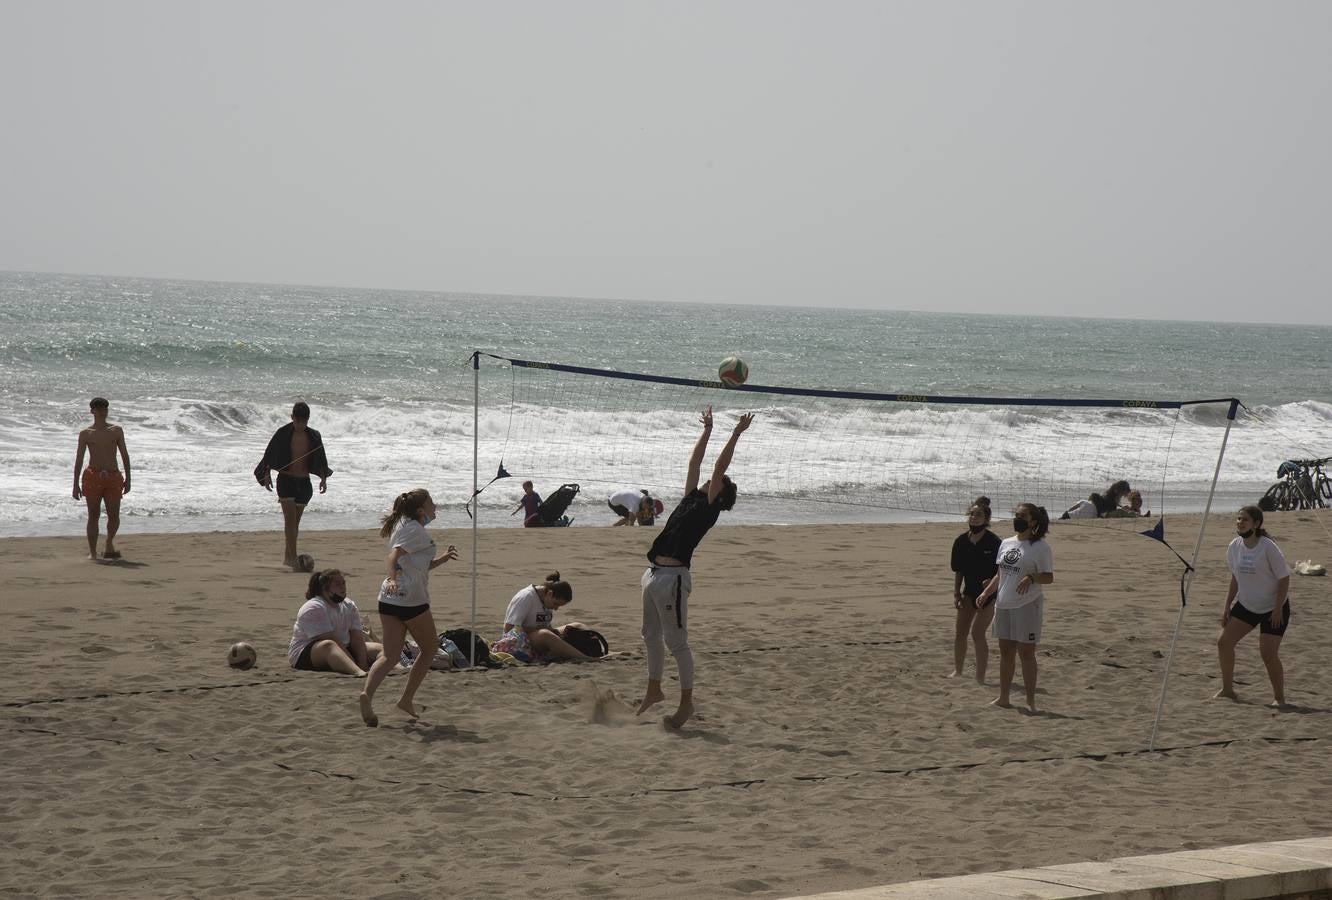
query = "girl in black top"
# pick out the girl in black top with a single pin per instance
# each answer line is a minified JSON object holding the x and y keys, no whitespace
{"x":974,"y":554}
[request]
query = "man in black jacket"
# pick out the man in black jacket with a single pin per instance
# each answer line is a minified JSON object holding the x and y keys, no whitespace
{"x":296,"y":451}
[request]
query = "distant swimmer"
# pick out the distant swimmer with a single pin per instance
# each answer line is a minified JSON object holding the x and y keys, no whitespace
{"x":102,"y":481}
{"x":296,"y":451}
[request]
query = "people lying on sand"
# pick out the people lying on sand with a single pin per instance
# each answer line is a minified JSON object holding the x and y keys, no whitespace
{"x":1132,"y":511}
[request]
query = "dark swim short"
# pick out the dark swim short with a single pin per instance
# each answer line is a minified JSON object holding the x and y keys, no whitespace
{"x":969,"y":602}
{"x":618,"y":509}
{"x":304,"y":662}
{"x":298,"y":489}
{"x":1262,"y":620}
{"x":406,"y":613}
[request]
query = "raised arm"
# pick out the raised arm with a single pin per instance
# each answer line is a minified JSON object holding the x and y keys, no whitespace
{"x":700,"y":446}
{"x":724,"y":458}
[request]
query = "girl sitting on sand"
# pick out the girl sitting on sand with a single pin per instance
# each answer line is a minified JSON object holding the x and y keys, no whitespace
{"x":327,"y":636}
{"x":529,"y":634}
{"x":973,"y":564}
{"x":404,"y":597}
{"x":1025,"y":563}
{"x":1258,"y":595}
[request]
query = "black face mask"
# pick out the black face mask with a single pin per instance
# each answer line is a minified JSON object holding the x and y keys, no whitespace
{"x":1245,"y":534}
{"x":975,"y":529}
{"x":1020,"y":524}
{"x":336,"y":598}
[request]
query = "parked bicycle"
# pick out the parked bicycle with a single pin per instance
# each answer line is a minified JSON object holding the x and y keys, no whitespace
{"x":1302,"y":484}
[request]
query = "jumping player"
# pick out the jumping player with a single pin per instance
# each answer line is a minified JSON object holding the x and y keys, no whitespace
{"x":667,"y":583}
{"x":102,"y":480}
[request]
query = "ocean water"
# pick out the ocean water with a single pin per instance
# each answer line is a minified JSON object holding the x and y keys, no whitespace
{"x":200,"y":374}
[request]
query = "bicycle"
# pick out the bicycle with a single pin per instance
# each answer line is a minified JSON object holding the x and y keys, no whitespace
{"x":1303,"y":485}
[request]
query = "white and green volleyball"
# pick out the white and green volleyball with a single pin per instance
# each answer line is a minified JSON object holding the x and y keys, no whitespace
{"x":733,"y":371}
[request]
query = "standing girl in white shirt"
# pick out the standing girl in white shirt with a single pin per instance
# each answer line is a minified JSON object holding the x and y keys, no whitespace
{"x":1258,"y":595}
{"x":404,"y":598}
{"x":1025,"y":564}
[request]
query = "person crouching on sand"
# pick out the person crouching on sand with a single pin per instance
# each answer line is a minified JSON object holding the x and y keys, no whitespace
{"x":529,"y":623}
{"x":1025,"y":563}
{"x":404,"y":598}
{"x":327,"y":635}
{"x":973,"y":563}
{"x":667,"y":583}
{"x":1259,"y":595}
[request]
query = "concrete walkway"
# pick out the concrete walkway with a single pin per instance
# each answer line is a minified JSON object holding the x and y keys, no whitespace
{"x":1286,"y":869}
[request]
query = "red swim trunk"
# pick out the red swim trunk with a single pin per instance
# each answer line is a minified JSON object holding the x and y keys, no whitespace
{"x":101,"y":483}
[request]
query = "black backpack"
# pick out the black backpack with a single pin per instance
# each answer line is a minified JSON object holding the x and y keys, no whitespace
{"x":586,"y":641}
{"x":470,"y":643}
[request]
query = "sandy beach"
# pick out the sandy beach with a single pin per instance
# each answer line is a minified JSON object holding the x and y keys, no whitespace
{"x":829,"y":751}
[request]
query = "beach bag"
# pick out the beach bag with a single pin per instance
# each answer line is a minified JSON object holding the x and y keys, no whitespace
{"x":586,"y":641}
{"x":462,"y":638}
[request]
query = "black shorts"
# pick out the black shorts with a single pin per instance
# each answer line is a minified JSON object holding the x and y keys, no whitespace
{"x":1262,"y":620}
{"x":969,"y":602}
{"x":296,"y":488}
{"x":406,"y":613}
{"x":618,"y":509}
{"x":303,"y":662}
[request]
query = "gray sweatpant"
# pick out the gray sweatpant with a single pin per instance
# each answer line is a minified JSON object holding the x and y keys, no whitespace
{"x":666,"y":621}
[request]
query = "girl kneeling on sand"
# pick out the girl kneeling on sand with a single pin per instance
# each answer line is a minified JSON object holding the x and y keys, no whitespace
{"x":529,"y":634}
{"x":1259,"y":595}
{"x":1025,"y":564}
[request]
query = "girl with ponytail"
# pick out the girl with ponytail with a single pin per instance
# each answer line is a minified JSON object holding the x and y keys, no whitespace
{"x":1259,"y":595}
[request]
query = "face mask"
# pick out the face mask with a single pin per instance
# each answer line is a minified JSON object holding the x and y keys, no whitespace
{"x":1245,"y":534}
{"x":337,"y":598}
{"x":1020,"y":524}
{"x":975,"y":529}
{"x":428,"y":519}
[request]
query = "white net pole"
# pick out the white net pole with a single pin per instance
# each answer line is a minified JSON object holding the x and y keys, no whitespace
{"x":476,"y":500}
{"x":1188,"y":576}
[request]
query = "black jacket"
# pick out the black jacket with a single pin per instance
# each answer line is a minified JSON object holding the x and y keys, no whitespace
{"x":278,"y":454}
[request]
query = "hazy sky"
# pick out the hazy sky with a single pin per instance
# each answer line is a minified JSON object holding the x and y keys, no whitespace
{"x":1135,"y":159}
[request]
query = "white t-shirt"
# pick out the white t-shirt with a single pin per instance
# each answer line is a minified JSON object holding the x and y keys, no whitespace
{"x":1257,"y":572}
{"x":527,"y":611}
{"x":413,"y":565}
{"x":1083,"y":509}
{"x":317,"y":617}
{"x":628,"y":498}
{"x":1016,"y":559}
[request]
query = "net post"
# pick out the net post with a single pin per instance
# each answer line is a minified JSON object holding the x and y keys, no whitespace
{"x":476,"y":500}
{"x":1192,"y":570}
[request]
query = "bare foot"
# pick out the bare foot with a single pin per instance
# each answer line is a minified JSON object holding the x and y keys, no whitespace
{"x":682,"y":715}
{"x":1001,"y":702}
{"x":367,"y":711}
{"x":407,"y":707}
{"x":980,"y":679}
{"x":1277,"y":704}
{"x":1031,"y":708}
{"x":650,"y":699}
{"x":1224,"y":694}
{"x":111,"y":553}
{"x":956,"y":673}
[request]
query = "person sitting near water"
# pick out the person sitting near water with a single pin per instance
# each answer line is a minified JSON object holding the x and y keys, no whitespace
{"x":529,"y":632}
{"x":1133,"y":511}
{"x":529,"y":502}
{"x":327,"y":635}
{"x":634,"y":507}
{"x":1096,"y":505}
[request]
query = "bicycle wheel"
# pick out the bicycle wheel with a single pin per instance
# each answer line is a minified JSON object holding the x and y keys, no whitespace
{"x":1324,"y":486}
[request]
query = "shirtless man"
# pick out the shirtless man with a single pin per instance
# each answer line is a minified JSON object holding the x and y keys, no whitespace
{"x":295,"y":451}
{"x":102,"y":480}
{"x":667,"y":583}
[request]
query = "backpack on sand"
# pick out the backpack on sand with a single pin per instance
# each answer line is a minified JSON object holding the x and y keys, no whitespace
{"x":586,"y":641}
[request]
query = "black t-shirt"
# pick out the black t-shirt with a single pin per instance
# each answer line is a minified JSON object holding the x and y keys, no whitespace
{"x":975,"y":561}
{"x":685,"y":528}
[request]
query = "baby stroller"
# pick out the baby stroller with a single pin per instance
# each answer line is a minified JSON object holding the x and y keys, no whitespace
{"x":550,"y":514}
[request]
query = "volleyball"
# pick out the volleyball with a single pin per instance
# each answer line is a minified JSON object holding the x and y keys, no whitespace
{"x":733,"y":371}
{"x":241,"y":656}
{"x":305,"y":563}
